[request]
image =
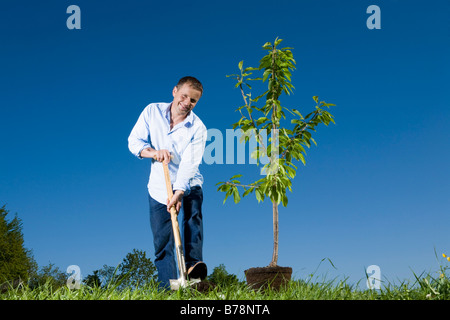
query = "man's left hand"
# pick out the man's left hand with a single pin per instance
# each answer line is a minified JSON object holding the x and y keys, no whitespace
{"x":176,"y":201}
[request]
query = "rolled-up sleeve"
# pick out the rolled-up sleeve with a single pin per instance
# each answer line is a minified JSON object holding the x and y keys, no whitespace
{"x":139,"y":138}
{"x":191,"y":159}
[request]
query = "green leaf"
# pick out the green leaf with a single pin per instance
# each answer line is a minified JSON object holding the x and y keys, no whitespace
{"x":259,"y":195}
{"x":236,"y":195}
{"x":240,"y":64}
{"x":284,"y":200}
{"x":309,"y":114}
{"x":302,"y":158}
{"x":277,"y":42}
{"x":290,"y":172}
{"x":260,"y":96}
{"x":246,"y":192}
{"x":227,"y":195}
{"x":250,"y":69}
{"x":316,"y":99}
{"x":266,"y":75}
{"x":261,"y":120}
{"x":296,"y":121}
{"x":267,"y":45}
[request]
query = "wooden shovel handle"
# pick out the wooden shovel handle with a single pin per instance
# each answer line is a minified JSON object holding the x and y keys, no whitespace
{"x":168,"y":182}
{"x":168,"y":185}
{"x":173,"y":211}
{"x":175,"y":226}
{"x":167,"y":178}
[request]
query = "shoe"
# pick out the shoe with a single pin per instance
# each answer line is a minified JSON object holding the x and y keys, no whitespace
{"x":198,"y":271}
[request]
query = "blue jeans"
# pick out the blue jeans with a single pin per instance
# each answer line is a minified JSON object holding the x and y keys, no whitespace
{"x":163,"y":240}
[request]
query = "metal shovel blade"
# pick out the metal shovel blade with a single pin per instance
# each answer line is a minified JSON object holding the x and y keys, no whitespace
{"x":182,"y":283}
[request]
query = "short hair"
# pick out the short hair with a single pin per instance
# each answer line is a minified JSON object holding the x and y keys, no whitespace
{"x":193,"y":82}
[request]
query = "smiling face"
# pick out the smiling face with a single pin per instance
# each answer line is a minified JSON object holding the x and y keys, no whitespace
{"x":184,"y":99}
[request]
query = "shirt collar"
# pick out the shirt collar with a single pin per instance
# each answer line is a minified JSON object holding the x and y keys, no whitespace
{"x":187,"y":121}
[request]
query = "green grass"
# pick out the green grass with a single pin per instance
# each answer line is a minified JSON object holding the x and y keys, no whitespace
{"x":422,"y":288}
{"x":425,"y":286}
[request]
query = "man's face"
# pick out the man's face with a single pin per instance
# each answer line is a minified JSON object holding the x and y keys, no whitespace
{"x":185,"y":99}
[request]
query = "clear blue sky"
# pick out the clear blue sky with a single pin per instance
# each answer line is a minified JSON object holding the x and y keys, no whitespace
{"x":374,"y":191}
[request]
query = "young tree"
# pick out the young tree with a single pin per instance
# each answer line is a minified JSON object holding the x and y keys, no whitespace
{"x":287,"y":139}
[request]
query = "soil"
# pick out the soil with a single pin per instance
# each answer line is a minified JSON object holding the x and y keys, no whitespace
{"x":203,"y":286}
{"x":264,"y":277}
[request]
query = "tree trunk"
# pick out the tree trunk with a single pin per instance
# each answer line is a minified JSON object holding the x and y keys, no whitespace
{"x":274,"y":261}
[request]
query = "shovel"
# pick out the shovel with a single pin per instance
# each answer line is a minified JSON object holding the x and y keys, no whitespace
{"x":182,"y":281}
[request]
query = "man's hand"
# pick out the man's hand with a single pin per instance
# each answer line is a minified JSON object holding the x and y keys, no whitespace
{"x":162,"y":155}
{"x":158,"y":155}
{"x":176,"y":201}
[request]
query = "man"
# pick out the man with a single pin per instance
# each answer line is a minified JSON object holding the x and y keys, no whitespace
{"x":172,"y":133}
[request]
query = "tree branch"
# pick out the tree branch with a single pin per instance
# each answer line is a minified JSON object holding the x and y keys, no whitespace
{"x":241,"y":185}
{"x":299,"y":133}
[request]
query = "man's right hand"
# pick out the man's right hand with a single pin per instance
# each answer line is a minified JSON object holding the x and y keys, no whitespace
{"x":162,"y":155}
{"x":158,"y":155}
